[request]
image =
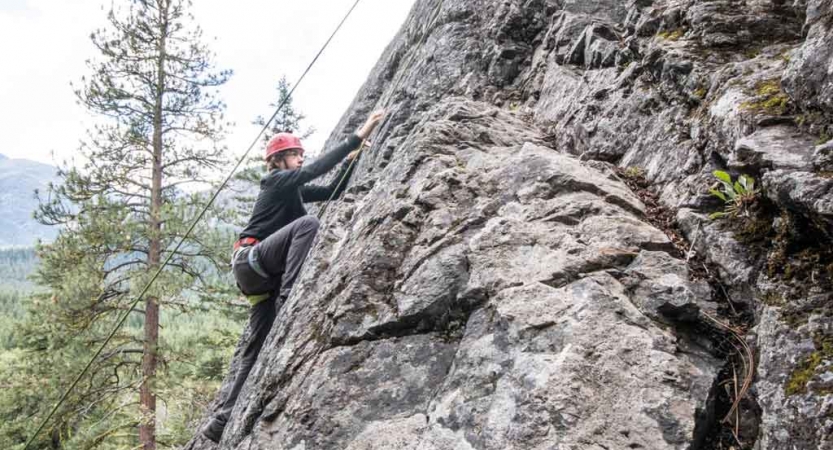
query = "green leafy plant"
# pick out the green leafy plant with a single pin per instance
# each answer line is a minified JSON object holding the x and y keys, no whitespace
{"x":737,"y":195}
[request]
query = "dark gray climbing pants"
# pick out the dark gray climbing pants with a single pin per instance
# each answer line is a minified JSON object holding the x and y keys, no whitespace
{"x":281,"y":256}
{"x":274,"y":263}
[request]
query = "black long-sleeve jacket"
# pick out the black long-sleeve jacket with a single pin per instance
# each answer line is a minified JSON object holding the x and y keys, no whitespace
{"x":283,"y":192}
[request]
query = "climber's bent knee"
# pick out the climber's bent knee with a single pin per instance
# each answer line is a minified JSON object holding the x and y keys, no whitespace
{"x":309,"y":222}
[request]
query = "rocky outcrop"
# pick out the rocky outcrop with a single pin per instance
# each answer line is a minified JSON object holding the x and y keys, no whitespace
{"x":495,"y":294}
{"x":808,"y":79}
{"x":490,"y":283}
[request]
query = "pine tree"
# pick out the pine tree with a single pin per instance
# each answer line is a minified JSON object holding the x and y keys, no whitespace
{"x":154,"y":88}
{"x":288,"y":120}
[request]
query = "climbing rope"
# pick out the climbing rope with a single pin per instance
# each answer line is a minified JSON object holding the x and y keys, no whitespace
{"x":187,"y":233}
{"x":322,"y":211}
{"x":400,"y":76}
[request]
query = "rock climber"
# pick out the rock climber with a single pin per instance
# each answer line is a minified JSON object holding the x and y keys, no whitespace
{"x":272,"y":247}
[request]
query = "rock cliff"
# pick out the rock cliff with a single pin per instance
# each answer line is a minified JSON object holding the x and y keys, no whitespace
{"x":524,"y":258}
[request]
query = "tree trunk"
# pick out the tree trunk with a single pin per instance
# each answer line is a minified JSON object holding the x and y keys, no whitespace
{"x":147,"y":397}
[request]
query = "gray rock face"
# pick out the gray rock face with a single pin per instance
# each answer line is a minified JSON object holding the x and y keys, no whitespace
{"x":801,"y":416}
{"x":823,"y":157}
{"x":809,"y":78}
{"x":492,"y":295}
{"x":489,"y":282}
{"x":806,"y":190}
{"x":776,"y":147}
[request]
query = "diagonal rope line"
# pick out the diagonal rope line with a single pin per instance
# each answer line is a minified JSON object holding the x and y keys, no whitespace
{"x":400,"y":76}
{"x":188,"y":233}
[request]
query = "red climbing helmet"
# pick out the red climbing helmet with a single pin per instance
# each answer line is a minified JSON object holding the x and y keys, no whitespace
{"x":281,"y":142}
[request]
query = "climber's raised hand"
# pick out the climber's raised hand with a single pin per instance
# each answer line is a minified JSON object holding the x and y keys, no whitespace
{"x":370,"y":124}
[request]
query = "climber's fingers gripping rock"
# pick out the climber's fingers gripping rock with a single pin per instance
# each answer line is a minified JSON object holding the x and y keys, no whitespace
{"x":370,"y":124}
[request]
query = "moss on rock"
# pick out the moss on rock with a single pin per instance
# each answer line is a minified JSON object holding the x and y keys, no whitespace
{"x":770,"y":98}
{"x":807,"y":369}
{"x":671,"y":35}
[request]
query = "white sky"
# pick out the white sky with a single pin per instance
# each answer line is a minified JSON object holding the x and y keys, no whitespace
{"x":44,"y":43}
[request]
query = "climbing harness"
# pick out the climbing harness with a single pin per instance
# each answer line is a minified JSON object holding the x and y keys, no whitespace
{"x":321,"y":213}
{"x":199,"y":217}
{"x":251,"y":258}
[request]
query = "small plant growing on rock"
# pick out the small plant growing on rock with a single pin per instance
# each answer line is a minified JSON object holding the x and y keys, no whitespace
{"x":634,"y":172}
{"x":738,"y":196}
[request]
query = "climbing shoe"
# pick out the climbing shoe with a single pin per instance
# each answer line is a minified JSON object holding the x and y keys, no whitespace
{"x":213,"y":431}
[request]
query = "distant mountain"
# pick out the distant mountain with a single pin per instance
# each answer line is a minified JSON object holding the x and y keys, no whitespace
{"x":18,"y":180}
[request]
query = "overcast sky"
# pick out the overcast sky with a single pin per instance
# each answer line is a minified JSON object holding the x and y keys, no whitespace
{"x":44,"y":43}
